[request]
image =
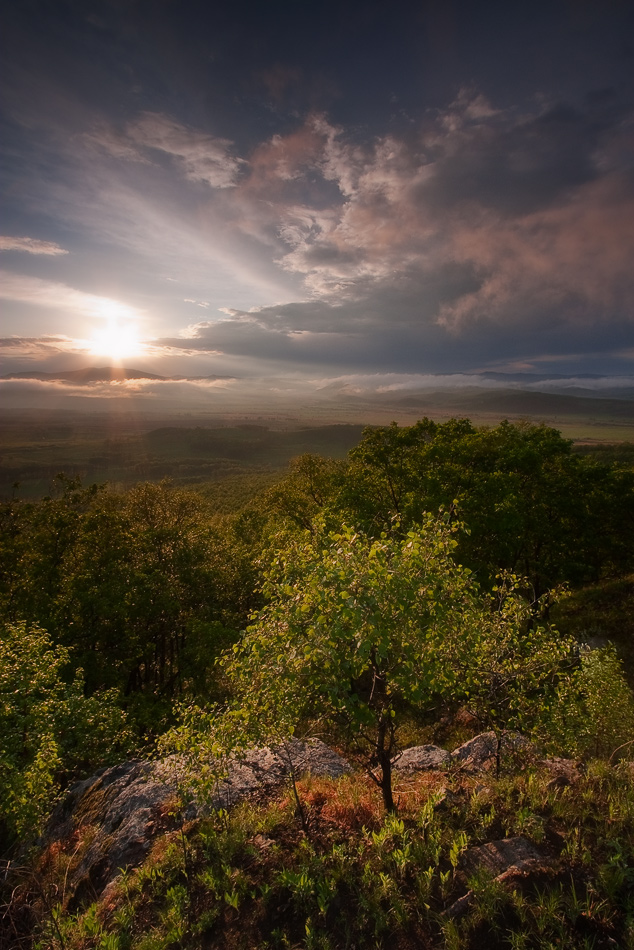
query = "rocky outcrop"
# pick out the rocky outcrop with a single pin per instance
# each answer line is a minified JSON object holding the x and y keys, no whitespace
{"x":478,"y":754}
{"x":420,"y":758}
{"x":112,"y":819}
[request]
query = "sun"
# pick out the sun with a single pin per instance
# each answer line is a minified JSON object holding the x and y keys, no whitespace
{"x":118,"y":337}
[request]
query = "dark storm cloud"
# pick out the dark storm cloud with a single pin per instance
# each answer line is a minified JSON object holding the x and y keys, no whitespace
{"x":416,"y":240}
{"x":513,"y":165}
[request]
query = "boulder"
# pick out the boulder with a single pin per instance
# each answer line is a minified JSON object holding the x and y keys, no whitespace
{"x":112,"y":819}
{"x":564,"y":771}
{"x":480,"y":752}
{"x":420,"y":758}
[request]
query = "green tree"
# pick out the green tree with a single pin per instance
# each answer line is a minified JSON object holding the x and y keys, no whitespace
{"x":49,"y":731}
{"x":512,"y":672}
{"x":594,"y":710}
{"x":140,"y":587}
{"x":530,"y":505}
{"x":35,"y":542}
{"x":357,"y":633}
{"x":308,"y":490}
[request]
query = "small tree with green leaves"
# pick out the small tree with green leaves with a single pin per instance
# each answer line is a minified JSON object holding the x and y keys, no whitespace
{"x":593,"y":715}
{"x":513,"y":670}
{"x":49,"y":730}
{"x":357,"y":632}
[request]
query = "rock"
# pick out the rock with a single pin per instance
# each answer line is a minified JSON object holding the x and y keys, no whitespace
{"x":314,"y":757}
{"x":127,"y":806}
{"x":498,"y":856}
{"x":505,"y":860}
{"x":564,"y":771}
{"x":420,"y":758}
{"x":121,"y":810}
{"x":480,"y":752}
{"x":263,"y":769}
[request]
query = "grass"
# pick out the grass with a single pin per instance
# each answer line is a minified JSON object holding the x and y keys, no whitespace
{"x":360,"y":879}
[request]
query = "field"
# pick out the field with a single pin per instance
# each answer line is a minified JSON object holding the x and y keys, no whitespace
{"x":123,"y":451}
{"x":194,"y":448}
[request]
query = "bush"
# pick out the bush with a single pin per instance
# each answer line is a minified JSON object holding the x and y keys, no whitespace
{"x":594,"y":712}
{"x":49,"y":731}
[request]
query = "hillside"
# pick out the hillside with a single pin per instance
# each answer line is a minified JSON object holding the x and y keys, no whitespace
{"x":442,"y":614}
{"x":538,"y":856}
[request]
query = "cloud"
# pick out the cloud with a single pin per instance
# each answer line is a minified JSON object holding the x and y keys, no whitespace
{"x":119,"y":144}
{"x":378,"y":383}
{"x":481,"y":220}
{"x":29,"y":346}
{"x":379,"y":396}
{"x":569,"y":263}
{"x":30,"y":245}
{"x":485,"y":218}
{"x":477,"y":236}
{"x":48,"y":293}
{"x":144,"y":396}
{"x":513,"y":164}
{"x":202,"y":157}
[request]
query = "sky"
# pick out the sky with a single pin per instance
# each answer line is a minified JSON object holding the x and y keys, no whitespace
{"x":318,"y":192}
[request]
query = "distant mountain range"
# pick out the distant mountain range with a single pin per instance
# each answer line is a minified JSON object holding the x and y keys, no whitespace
{"x":103,"y":374}
{"x":589,"y":399}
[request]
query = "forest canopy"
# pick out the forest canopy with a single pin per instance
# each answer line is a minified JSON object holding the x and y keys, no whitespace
{"x":137,"y":594}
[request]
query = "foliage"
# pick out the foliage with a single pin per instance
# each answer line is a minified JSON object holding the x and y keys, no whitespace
{"x":357,"y":633}
{"x":604,"y":610}
{"x":308,"y":490}
{"x":531,"y":506}
{"x":254,"y":880}
{"x":142,"y":588}
{"x":594,"y":711}
{"x":147,"y":587}
{"x":512,"y":674}
{"x":49,"y":731}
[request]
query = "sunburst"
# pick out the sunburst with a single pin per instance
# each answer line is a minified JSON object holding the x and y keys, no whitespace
{"x":118,"y":337}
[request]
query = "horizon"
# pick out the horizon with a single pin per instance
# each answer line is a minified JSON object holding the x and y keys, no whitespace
{"x":347,"y":199}
{"x":584,"y":406}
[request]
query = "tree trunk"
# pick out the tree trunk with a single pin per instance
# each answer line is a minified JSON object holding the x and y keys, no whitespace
{"x":385,"y":764}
